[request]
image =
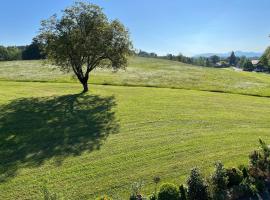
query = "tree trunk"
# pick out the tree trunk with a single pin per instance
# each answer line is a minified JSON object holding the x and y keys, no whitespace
{"x":85,"y":87}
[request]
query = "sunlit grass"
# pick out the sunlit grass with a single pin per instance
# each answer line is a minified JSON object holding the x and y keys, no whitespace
{"x":151,"y":73}
{"x":160,"y":132}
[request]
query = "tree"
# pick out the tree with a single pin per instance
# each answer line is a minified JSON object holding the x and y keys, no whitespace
{"x":241,"y":61}
{"x":170,"y":56}
{"x":3,"y":53}
{"x":84,"y":39}
{"x":197,"y":188}
{"x":207,"y":62}
{"x":232,"y":59}
{"x":219,"y":180}
{"x":265,"y":59}
{"x":214,"y":59}
{"x":9,"y":53}
{"x":247,"y":66}
{"x":33,"y":51}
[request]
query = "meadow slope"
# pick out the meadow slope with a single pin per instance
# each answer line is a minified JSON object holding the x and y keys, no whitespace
{"x":84,"y":145}
{"x":149,"y":72}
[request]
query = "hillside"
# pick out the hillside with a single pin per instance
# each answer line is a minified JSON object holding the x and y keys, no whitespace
{"x":81,"y":146}
{"x":151,"y":73}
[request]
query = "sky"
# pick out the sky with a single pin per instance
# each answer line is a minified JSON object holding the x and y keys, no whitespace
{"x":189,"y":27}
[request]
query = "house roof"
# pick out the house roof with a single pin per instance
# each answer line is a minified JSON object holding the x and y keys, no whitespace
{"x":255,"y":62}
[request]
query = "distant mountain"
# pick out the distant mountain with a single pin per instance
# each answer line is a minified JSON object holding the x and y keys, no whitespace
{"x":237,"y":53}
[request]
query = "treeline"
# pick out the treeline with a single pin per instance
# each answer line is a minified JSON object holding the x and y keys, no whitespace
{"x":29,"y":52}
{"x":262,"y":64}
{"x":213,"y":61}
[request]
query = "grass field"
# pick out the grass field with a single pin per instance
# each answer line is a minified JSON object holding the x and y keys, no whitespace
{"x":151,"y":73}
{"x":98,"y":143}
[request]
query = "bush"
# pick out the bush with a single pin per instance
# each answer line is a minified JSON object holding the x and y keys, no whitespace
{"x":133,"y":197}
{"x":248,"y":188}
{"x":260,"y":184}
{"x":183,"y":192}
{"x":168,"y":191}
{"x":152,"y":197}
{"x":197,"y":188}
{"x":243,"y":169}
{"x":235,"y":176}
{"x":219,"y":180}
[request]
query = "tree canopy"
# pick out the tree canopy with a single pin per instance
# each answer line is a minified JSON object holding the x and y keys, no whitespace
{"x":33,"y":51}
{"x":232,"y":59}
{"x":84,"y":39}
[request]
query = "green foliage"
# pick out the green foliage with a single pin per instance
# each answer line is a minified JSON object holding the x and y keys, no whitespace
{"x":232,"y":59}
{"x":241,"y":62}
{"x":247,"y":188}
{"x":10,"y":53}
{"x":219,"y":181}
{"x":259,"y":184}
{"x":84,"y":39}
{"x":214,"y":59}
{"x":183,"y":192}
{"x":168,"y":191}
{"x":207,"y":63}
{"x":265,"y":59}
{"x":33,"y":51}
{"x":235,"y":176}
{"x":197,"y":188}
{"x":247,"y":65}
{"x":260,"y":162}
{"x":244,"y":170}
{"x":152,"y":197}
{"x":133,"y":197}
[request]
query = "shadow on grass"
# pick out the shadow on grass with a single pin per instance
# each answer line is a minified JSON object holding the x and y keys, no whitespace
{"x":33,"y":130}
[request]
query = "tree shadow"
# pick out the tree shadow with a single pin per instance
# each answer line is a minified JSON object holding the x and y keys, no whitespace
{"x":33,"y":130}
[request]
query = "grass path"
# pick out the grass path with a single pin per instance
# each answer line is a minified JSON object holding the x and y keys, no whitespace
{"x":138,"y":133}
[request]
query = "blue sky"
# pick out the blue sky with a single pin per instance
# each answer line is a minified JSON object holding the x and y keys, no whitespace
{"x":162,"y":26}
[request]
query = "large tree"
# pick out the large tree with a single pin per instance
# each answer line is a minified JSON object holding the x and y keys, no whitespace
{"x":214,"y":59}
{"x":232,"y":59}
{"x":33,"y":51}
{"x":265,"y":58}
{"x":83,"y":39}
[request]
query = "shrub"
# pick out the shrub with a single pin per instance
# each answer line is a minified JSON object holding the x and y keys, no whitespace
{"x":248,"y":188}
{"x":168,"y":191}
{"x":219,"y":180}
{"x":152,"y":197}
{"x":243,"y":169}
{"x":133,"y":197}
{"x":183,"y":192}
{"x":260,"y":184}
{"x":235,"y":176}
{"x":197,"y":188}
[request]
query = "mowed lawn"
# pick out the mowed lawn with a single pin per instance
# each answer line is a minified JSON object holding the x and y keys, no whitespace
{"x":81,"y":146}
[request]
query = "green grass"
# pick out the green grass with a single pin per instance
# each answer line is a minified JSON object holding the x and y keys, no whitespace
{"x":151,"y":73}
{"x":84,"y":145}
